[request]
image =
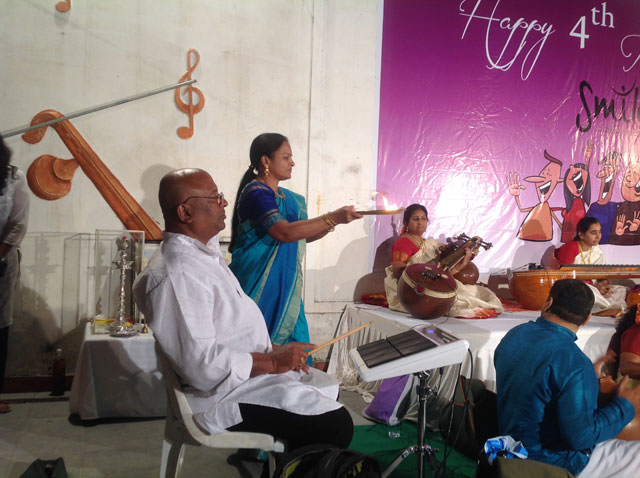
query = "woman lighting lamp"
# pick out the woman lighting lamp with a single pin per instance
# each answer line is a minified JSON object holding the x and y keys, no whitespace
{"x":270,"y":229}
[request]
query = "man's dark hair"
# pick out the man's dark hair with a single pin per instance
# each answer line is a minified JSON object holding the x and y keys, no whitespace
{"x":572,"y":300}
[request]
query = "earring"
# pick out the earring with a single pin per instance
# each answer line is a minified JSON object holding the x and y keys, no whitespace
{"x":266,"y":171}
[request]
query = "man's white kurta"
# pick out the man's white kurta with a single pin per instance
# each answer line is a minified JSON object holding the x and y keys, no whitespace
{"x":208,"y":327}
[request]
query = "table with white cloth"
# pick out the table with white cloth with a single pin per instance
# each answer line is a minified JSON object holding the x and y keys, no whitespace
{"x":483,"y":336}
{"x":117,"y":377}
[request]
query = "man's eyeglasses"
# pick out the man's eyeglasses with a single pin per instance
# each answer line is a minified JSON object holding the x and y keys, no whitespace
{"x":219,"y":199}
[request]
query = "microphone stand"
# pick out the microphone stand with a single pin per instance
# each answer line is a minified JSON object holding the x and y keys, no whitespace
{"x":424,"y":451}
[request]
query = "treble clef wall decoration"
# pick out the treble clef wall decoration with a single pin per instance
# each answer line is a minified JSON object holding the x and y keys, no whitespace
{"x":50,"y":177}
{"x":186,"y":132}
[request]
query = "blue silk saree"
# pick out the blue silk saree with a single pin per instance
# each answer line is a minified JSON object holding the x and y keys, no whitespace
{"x":269,"y":271}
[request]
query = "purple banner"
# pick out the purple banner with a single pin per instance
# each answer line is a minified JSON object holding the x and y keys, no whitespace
{"x":511,"y":120}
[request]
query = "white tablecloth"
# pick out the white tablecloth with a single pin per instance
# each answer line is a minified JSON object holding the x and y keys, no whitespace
{"x":117,"y":377}
{"x":483,"y":335}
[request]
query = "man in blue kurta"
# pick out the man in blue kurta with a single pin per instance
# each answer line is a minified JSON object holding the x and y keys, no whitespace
{"x":548,"y":392}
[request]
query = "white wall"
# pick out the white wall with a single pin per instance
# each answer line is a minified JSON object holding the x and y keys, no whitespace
{"x":343,"y":112}
{"x":306,"y":69}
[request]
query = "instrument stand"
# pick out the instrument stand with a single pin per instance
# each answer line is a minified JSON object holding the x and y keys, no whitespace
{"x":424,"y":451}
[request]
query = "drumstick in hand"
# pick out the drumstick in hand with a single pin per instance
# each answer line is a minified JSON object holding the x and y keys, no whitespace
{"x":340,"y":337}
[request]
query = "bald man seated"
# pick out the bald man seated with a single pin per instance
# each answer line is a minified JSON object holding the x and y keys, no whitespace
{"x":215,"y":336}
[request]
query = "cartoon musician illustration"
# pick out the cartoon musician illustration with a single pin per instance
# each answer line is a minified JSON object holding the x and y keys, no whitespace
{"x":604,"y":209}
{"x":626,"y":229}
{"x":577,"y":194}
{"x":538,"y":225}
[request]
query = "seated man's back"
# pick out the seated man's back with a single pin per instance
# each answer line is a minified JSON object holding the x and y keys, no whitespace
{"x":548,"y":389}
{"x":543,"y":379}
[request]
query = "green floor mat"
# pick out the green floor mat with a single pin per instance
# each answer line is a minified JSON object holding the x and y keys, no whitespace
{"x":384,"y":443}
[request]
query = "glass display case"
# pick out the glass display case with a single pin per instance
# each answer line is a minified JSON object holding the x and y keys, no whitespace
{"x":118,"y":261}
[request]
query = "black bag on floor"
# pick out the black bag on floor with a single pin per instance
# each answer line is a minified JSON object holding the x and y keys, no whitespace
{"x":325,"y":461}
{"x":46,"y":469}
{"x":477,"y":424}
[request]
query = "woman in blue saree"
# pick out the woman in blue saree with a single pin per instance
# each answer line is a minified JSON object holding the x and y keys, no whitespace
{"x":270,"y":230}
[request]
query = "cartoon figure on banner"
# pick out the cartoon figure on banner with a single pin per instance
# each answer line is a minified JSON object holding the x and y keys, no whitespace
{"x":626,"y":229}
{"x":538,"y":225}
{"x":604,"y":210}
{"x":577,"y":193}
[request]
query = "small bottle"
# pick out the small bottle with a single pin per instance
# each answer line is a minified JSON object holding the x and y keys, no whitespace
{"x":394,"y":434}
{"x":58,"y":374}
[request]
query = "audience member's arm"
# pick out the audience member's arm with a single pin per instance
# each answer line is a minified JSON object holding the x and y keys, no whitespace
{"x":630,"y":365}
{"x":581,"y":422}
{"x":609,"y":357}
{"x":631,"y":394}
{"x":291,"y":356}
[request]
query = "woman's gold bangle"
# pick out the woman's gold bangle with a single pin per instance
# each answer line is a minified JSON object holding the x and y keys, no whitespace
{"x":330,"y":223}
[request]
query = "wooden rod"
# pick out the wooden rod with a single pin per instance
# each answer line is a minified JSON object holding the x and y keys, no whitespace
{"x":93,"y":109}
{"x":340,"y":337}
{"x":372,"y":212}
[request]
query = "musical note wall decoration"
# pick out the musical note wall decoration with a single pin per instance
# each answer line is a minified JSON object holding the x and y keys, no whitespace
{"x":63,"y":6}
{"x":190,"y":108}
{"x":49,"y":177}
{"x":92,"y":109}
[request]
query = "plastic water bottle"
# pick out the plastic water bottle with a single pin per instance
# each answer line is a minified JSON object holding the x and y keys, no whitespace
{"x":58,"y":373}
